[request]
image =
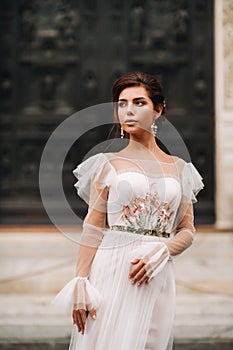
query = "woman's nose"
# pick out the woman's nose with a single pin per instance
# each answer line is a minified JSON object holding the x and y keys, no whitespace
{"x":130,"y":109}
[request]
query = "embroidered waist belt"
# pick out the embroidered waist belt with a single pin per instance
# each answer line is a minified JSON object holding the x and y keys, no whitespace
{"x":141,"y":231}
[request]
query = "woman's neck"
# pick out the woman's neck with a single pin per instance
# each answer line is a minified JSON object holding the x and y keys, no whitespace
{"x":140,"y":144}
{"x":144,"y":148}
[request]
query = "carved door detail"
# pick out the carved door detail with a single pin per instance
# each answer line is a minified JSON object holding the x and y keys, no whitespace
{"x":61,"y":56}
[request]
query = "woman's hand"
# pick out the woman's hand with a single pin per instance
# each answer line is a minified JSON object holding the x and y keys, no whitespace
{"x":138,"y":274}
{"x":80,"y":318}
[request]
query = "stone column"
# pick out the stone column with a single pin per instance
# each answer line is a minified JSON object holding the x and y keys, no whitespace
{"x":224,"y":112}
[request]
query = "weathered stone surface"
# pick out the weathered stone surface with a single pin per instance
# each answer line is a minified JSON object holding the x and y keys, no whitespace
{"x":224,"y":112}
{"x":63,"y":345}
{"x":35,"y":266}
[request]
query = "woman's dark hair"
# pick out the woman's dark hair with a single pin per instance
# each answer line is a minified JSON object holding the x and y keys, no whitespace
{"x":149,"y":82}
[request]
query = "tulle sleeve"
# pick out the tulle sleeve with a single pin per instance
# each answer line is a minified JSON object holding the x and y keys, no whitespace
{"x":93,"y":176}
{"x":95,"y":171}
{"x":78,"y":294}
{"x":191,"y":182}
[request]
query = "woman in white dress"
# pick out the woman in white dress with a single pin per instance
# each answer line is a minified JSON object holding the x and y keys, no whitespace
{"x":123,"y":294}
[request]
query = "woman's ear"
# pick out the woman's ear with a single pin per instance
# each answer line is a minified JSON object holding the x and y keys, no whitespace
{"x":158,"y":110}
{"x":156,"y":115}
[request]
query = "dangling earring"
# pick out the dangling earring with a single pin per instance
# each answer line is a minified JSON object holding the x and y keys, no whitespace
{"x":122,"y":133}
{"x":154,"y":129}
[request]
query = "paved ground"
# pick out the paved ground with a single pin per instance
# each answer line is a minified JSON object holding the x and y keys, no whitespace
{"x":34,"y":266}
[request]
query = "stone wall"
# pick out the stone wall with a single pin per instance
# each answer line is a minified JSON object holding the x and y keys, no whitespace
{"x":224,"y":112}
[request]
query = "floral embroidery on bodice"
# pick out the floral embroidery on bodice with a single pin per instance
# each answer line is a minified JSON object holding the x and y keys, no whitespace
{"x":139,"y":202}
{"x":147,"y":212}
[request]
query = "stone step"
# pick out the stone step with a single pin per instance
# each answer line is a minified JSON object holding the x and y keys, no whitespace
{"x":63,"y":344}
{"x":34,"y":267}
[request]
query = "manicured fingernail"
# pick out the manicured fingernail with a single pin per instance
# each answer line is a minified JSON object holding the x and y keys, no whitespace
{"x":132,"y":282}
{"x":94,"y":317}
{"x":138,"y":284}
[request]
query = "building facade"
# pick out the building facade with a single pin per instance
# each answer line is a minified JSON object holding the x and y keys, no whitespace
{"x":224,"y":112}
{"x":61,"y":57}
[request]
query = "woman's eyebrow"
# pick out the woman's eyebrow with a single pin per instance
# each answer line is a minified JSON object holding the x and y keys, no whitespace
{"x":139,"y":98}
{"x":135,"y":99}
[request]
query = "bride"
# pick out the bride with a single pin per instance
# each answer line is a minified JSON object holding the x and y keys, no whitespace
{"x":140,"y":216}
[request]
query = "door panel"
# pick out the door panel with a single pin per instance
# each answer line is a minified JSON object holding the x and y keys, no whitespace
{"x":59,"y":57}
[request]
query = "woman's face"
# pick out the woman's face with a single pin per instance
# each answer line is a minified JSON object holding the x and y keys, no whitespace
{"x":136,"y":110}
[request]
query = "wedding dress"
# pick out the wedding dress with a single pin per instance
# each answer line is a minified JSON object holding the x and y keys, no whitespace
{"x":137,"y":196}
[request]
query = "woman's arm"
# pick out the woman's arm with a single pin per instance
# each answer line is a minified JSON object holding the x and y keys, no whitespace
{"x":90,"y":241}
{"x":184,"y":231}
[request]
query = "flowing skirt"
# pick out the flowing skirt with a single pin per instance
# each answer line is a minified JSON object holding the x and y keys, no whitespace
{"x":129,"y":317}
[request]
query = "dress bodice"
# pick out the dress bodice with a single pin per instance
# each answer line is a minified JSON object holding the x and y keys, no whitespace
{"x":141,"y":194}
{"x":138,"y":201}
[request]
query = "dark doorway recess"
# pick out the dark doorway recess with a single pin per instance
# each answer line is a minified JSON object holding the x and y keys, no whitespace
{"x":59,"y":57}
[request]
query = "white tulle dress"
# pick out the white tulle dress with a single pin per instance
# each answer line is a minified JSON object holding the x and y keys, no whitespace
{"x":141,"y":194}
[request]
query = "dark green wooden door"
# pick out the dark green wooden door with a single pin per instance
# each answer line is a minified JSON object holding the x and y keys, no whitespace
{"x":59,"y":57}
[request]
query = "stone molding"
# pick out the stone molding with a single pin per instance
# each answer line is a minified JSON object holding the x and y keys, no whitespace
{"x":224,"y":112}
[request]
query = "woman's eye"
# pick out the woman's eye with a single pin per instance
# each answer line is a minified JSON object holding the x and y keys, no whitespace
{"x":140,"y":103}
{"x":121,"y":104}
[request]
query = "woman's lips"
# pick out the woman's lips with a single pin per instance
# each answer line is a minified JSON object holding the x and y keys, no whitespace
{"x":130,"y":121}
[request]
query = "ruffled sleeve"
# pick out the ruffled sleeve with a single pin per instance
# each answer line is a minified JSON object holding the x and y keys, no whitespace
{"x":78,"y":294}
{"x":192,"y":182}
{"x":96,"y":171}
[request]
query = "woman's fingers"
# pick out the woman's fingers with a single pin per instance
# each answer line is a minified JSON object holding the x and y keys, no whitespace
{"x":140,"y":276}
{"x":74,"y":317}
{"x":138,"y":273}
{"x":136,"y":269}
{"x":79,"y":322}
{"x":83,"y":319}
{"x":92,"y":313}
{"x":77,"y":319}
{"x":144,"y":279}
{"x":80,"y":318}
{"x":135,"y":261}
